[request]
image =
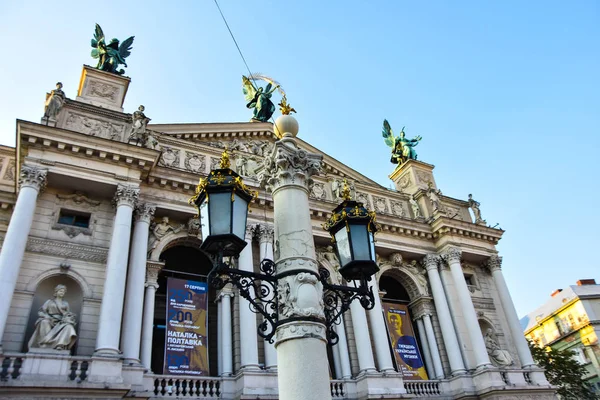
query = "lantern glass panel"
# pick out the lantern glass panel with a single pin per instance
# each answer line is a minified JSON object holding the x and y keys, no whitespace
{"x":219,"y":205}
{"x":372,"y":245}
{"x":360,"y":242}
{"x":240,"y":213}
{"x":343,"y":246}
{"x":204,"y":219}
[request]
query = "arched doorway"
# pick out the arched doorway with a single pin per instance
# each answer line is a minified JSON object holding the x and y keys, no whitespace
{"x":183,"y":260}
{"x":403,"y":334}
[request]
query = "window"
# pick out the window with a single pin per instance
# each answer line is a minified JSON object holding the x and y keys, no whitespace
{"x":469,"y":279}
{"x":74,"y":218}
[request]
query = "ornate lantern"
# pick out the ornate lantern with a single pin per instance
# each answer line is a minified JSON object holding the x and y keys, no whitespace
{"x":352,"y":228}
{"x":222,"y":200}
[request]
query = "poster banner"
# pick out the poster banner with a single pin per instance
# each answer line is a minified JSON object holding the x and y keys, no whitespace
{"x":186,"y":351}
{"x":404,"y":345}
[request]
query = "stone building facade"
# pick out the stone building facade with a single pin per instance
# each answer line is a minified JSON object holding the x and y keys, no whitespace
{"x":89,"y":202}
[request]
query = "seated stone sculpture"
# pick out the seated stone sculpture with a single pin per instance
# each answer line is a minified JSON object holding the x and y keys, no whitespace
{"x":55,"y":327}
{"x":498,"y":356}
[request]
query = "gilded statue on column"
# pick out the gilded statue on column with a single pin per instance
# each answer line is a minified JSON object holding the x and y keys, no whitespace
{"x":110,"y":55}
{"x":402,"y":148}
{"x":55,"y":327}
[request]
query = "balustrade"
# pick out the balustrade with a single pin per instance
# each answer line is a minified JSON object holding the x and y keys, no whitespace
{"x":172,"y":386}
{"x":422,"y":388}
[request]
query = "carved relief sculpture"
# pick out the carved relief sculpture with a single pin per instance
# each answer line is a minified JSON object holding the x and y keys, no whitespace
{"x":195,"y":162}
{"x":337,"y":185}
{"x":415,"y":207}
{"x":380,"y":204}
{"x":398,"y":209}
{"x":160,"y":230}
{"x":241,"y":165}
{"x":79,"y":199}
{"x":318,"y":191}
{"x":170,"y":157}
{"x":55,"y":327}
{"x":54,"y":102}
{"x":193,"y":226}
{"x":498,"y":356}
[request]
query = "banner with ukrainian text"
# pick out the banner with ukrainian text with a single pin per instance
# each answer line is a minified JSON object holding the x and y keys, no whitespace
{"x":404,"y":345}
{"x":186,"y":350}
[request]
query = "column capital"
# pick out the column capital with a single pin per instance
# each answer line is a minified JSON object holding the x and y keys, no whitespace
{"x":494,"y":263}
{"x":265,"y":233}
{"x":153,"y":268}
{"x":452,"y":255}
{"x":33,"y":177}
{"x":144,"y":212}
{"x":288,"y":164}
{"x":250,"y":230}
{"x":431,"y":261}
{"x":126,"y":195}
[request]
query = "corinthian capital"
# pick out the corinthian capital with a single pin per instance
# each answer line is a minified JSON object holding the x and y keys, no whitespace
{"x":265,"y":233}
{"x":153,"y":268}
{"x":494,"y":263}
{"x":33,"y":177}
{"x":126,"y":194}
{"x":288,"y":164}
{"x":144,"y":212}
{"x":250,"y":229}
{"x":452,"y":255}
{"x":431,"y":261}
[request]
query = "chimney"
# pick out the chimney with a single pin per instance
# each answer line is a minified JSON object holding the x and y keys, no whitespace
{"x":582,"y":282}
{"x":557,"y":291}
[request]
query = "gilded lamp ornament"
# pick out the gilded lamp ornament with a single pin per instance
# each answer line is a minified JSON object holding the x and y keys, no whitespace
{"x":222,"y":201}
{"x":352,"y":228}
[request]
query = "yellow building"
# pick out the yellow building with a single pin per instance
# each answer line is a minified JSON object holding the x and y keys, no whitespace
{"x":570,"y":321}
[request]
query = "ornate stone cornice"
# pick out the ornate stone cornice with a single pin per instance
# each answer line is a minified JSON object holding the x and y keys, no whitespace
{"x":144,"y":212}
{"x":126,"y":195}
{"x":494,"y":263}
{"x":431,"y":261}
{"x":452,"y":255}
{"x":265,"y":233}
{"x":33,"y":177}
{"x":67,"y":250}
{"x":289,"y":165}
{"x":153,"y":268}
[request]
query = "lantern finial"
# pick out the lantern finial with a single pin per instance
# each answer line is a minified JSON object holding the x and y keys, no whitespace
{"x":346,"y":191}
{"x":224,"y":163}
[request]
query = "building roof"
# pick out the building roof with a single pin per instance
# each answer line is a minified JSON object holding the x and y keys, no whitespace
{"x":558,"y":301}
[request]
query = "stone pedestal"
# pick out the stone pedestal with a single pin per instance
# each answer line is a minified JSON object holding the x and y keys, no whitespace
{"x":102,"y":89}
{"x":412,"y":176}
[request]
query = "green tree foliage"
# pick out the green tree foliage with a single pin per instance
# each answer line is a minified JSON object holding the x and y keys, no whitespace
{"x":564,"y":372}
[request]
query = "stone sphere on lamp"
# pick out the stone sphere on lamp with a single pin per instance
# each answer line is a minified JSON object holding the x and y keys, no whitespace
{"x":286,"y":126}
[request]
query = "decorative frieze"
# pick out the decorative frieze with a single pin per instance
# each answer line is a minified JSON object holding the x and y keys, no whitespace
{"x":195,"y":162}
{"x":9,"y":174}
{"x":380,"y":205}
{"x":398,"y":209}
{"x":78,"y":199}
{"x":94,"y":126}
{"x":318,"y":191}
{"x":67,"y":250}
{"x":169,"y":157}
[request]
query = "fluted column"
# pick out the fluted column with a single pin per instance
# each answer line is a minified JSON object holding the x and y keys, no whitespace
{"x":225,"y":331}
{"x":495,"y":265}
{"x":265,"y":237}
{"x":362,"y":338}
{"x":379,"y":330}
{"x":433,"y":347}
{"x":425,"y":345}
{"x":153,"y":268}
{"x":136,"y":278}
{"x":111,"y":311}
{"x":457,"y":366}
{"x":31,"y":182}
{"x":301,"y":342}
{"x":452,"y":256}
{"x":248,"y":337}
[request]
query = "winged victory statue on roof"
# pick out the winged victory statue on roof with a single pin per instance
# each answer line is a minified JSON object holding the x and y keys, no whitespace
{"x":110,"y":55}
{"x":402,"y":148}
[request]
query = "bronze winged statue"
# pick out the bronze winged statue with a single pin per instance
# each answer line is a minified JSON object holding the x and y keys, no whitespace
{"x":110,"y":55}
{"x":402,"y":148}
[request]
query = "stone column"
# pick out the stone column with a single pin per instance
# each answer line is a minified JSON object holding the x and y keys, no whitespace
{"x":452,"y":256}
{"x":457,"y":366}
{"x":494,"y":263}
{"x":136,"y":278}
{"x":226,"y":337}
{"x":433,"y":347}
{"x":342,"y":349}
{"x":301,"y":344}
{"x":111,"y":311}
{"x":220,"y":342}
{"x":379,"y":331}
{"x":265,"y":237}
{"x":152,"y":270}
{"x":248,"y":337}
{"x":426,"y":352}
{"x":362,"y":338}
{"x":31,"y":182}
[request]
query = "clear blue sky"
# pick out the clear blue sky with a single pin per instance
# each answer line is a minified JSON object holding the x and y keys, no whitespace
{"x":506,"y":95}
